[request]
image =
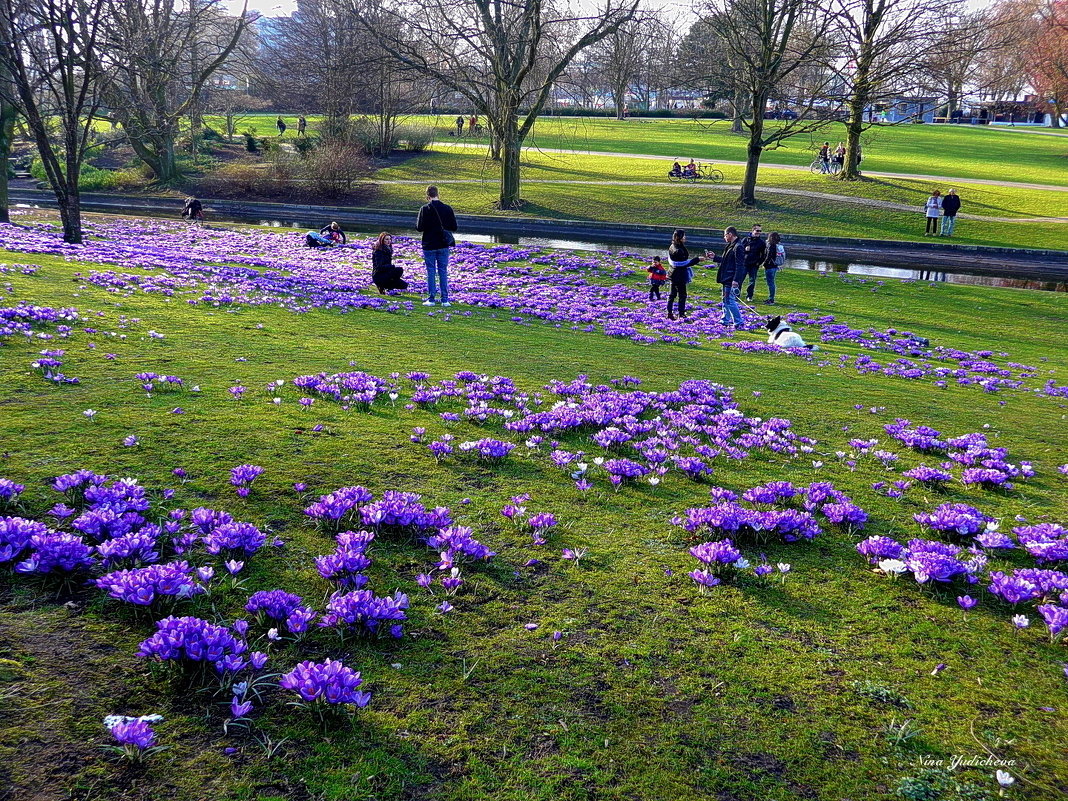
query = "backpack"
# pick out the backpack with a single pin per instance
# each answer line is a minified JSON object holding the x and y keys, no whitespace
{"x":780,"y":255}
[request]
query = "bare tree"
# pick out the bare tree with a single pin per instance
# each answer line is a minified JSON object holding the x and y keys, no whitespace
{"x":1049,"y":57}
{"x":623,"y":56}
{"x":779,"y":49}
{"x":502,"y":56}
{"x":50,"y":51}
{"x":958,"y":45}
{"x":161,"y":54}
{"x":879,"y":41}
{"x":311,"y":61}
{"x":703,"y":64}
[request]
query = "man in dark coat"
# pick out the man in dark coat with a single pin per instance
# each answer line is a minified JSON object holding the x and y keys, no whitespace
{"x":950,"y":207}
{"x":753,"y":251}
{"x":436,"y":222}
{"x":731,"y":273}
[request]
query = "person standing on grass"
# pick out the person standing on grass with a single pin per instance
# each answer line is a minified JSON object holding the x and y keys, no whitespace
{"x":950,"y":207}
{"x":681,"y":272}
{"x":825,"y":157}
{"x":281,"y":125}
{"x":302,"y":126}
{"x":932,"y":209}
{"x":730,"y":275}
{"x":753,"y":252}
{"x":436,"y":222}
{"x":773,"y":260}
{"x":657,"y":278}
{"x":459,"y":126}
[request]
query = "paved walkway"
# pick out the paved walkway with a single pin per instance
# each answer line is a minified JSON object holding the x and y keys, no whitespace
{"x":945,"y":179}
{"x":860,"y":201}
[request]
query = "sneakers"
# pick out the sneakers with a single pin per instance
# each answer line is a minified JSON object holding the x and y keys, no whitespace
{"x":429,"y":303}
{"x":671,"y":316}
{"x":769,"y":302}
{"x":445,"y":303}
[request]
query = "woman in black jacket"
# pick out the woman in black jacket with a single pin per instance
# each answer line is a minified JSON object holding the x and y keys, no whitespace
{"x":384,"y":274}
{"x":681,"y":273}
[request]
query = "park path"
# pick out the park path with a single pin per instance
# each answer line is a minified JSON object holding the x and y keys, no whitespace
{"x":944,"y":179}
{"x":860,"y":201}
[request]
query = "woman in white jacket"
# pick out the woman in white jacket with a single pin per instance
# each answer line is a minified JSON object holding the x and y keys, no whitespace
{"x":933,"y":210}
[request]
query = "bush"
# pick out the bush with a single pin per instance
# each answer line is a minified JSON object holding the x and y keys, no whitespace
{"x":237,"y":179}
{"x":252,"y":144}
{"x":415,"y":138}
{"x":335,"y":169}
{"x":207,"y":134}
{"x":304,"y":145}
{"x":95,"y":179}
{"x":365,"y":134}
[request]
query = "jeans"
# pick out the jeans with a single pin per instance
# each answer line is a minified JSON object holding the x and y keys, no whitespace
{"x":769,"y":276}
{"x":677,"y":290}
{"x":948,"y":221}
{"x":932,"y":225}
{"x":731,"y":312}
{"x":752,"y":273}
{"x":825,"y":165}
{"x":437,"y":270}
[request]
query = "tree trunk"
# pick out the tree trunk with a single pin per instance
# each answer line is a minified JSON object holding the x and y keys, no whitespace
{"x":1055,"y":117}
{"x":747,"y":196}
{"x":7,"y":130}
{"x":736,"y":120}
{"x":854,"y":128}
{"x":70,"y":214}
{"x":511,"y":150}
{"x":620,"y":95}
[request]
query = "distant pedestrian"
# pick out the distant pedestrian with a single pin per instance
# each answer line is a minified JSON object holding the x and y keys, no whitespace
{"x":281,"y":126}
{"x":825,"y":157}
{"x":657,"y":278}
{"x":302,"y":126}
{"x":839,"y":154}
{"x":730,"y":275}
{"x":459,"y":126}
{"x":436,"y":222}
{"x":681,"y":272}
{"x":932,"y":209}
{"x":472,"y":123}
{"x":773,"y":260}
{"x":752,"y":250}
{"x":384,"y":274}
{"x":950,"y":207}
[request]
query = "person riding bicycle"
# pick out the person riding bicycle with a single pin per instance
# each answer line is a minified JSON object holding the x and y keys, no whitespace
{"x":675,"y":171}
{"x":690,"y":170}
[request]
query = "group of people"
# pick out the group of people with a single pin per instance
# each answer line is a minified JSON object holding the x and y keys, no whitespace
{"x":678,"y":171}
{"x":472,"y":125}
{"x":436,"y":222}
{"x":827,"y":156}
{"x":302,"y":126}
{"x":944,"y":206}
{"x":742,"y":258}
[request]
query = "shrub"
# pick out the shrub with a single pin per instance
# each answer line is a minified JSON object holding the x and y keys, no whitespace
{"x":304,"y":145}
{"x":252,"y":144}
{"x":336,"y":168}
{"x":415,"y":138}
{"x":238,"y":178}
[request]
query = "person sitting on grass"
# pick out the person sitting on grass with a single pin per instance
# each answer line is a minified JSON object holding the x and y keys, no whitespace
{"x":690,"y":170}
{"x":334,"y":233}
{"x":384,"y":274}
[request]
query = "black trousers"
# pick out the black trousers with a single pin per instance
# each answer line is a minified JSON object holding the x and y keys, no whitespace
{"x":932,"y":225}
{"x":679,"y":291}
{"x":654,"y":290}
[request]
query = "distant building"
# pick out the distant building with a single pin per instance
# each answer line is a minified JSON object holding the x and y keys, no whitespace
{"x":905,"y":108}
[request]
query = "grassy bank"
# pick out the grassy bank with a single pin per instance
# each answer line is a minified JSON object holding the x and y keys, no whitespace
{"x":763,"y":689}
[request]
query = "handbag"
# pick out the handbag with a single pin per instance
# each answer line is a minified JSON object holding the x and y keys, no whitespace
{"x":450,"y":240}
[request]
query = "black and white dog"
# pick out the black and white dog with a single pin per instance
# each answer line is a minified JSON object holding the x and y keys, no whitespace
{"x":781,"y":334}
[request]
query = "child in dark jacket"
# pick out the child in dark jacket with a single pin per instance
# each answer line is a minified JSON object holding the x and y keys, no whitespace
{"x":657,"y":278}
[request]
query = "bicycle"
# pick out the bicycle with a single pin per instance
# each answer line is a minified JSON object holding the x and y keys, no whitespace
{"x":833,"y":167}
{"x":710,"y":173}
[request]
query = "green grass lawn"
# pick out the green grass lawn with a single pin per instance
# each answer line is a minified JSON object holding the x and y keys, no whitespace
{"x":956,"y":151}
{"x":755,"y":691}
{"x":470,"y":184}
